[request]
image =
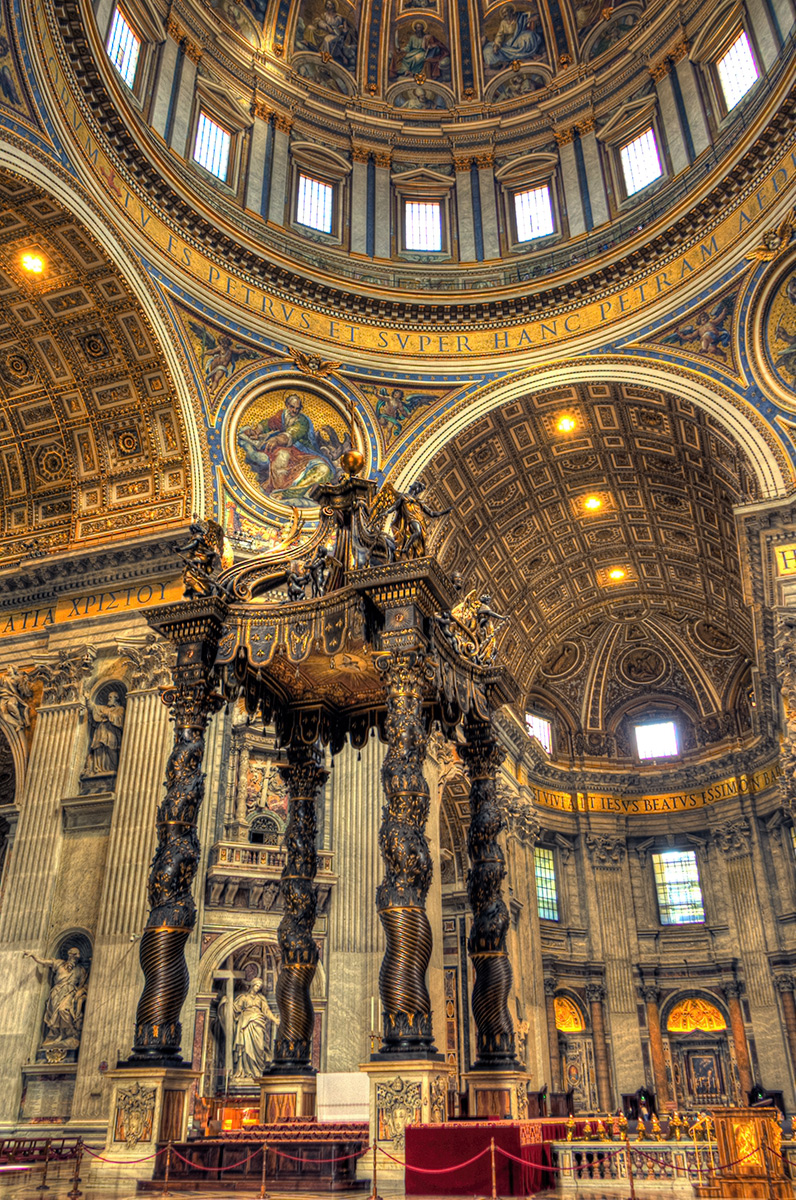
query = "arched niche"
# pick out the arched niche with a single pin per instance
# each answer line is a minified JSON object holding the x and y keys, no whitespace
{"x":699,"y":1050}
{"x":576,"y":1048}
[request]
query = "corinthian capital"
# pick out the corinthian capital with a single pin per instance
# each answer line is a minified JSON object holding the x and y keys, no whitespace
{"x":734,"y":838}
{"x":606,"y":852}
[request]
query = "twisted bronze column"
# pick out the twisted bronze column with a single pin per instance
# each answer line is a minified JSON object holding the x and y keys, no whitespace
{"x":305,"y":776}
{"x":401,"y":896}
{"x":487,"y":941}
{"x":192,"y":699}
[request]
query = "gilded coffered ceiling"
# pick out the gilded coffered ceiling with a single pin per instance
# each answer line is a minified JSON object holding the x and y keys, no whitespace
{"x":92,"y":443}
{"x":644,"y":485}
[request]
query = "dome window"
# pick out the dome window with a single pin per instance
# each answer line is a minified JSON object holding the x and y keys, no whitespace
{"x":657,"y":740}
{"x":123,"y":46}
{"x":541,"y":729}
{"x":533,"y":213}
{"x":212,"y":146}
{"x":679,"y":891}
{"x":737,"y":70}
{"x":314,"y":204}
{"x":641,"y":162}
{"x":423,"y":225}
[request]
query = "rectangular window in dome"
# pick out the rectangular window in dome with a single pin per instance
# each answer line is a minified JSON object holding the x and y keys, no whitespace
{"x":123,"y":46}
{"x":737,"y":70}
{"x":212,"y":146}
{"x":546,"y":890}
{"x":540,"y":728}
{"x":657,"y":740}
{"x":677,"y":884}
{"x":423,"y":225}
{"x":314,"y":206}
{"x":641,"y":163}
{"x":533,"y":213}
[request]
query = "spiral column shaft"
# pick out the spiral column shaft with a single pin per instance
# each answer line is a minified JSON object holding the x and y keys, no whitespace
{"x":192,"y":699}
{"x":487,"y":941}
{"x":401,"y":896}
{"x":304,"y":776}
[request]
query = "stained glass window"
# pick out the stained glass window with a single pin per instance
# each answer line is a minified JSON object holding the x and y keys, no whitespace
{"x":695,"y":1013}
{"x":211,"y":148}
{"x":423,"y":225}
{"x":737,"y":70}
{"x":546,"y":891}
{"x":679,"y":892}
{"x":533,"y":213}
{"x":541,"y":728}
{"x":123,"y":46}
{"x":314,"y":206}
{"x":641,"y":163}
{"x":656,"y":740}
{"x":568,"y":1016}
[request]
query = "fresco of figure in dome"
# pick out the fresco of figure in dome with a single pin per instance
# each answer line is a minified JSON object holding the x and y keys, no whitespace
{"x":242,"y":18}
{"x":419,"y":99}
{"x":322,"y":75}
{"x":611,"y":32}
{"x":420,"y":48}
{"x":512,"y":34}
{"x":287,"y":441}
{"x":780,"y":332}
{"x":519,"y":83}
{"x":329,"y":27}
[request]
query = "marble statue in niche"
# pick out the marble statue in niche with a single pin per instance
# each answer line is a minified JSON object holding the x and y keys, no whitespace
{"x":63,"y":1012}
{"x":252,"y":1014}
{"x":106,"y":713}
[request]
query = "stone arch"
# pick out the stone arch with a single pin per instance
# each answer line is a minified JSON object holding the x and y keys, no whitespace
{"x":763,"y":445}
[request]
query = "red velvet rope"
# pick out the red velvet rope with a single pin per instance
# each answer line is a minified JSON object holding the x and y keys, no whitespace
{"x":309,"y":1161}
{"x":131,"y":1161}
{"x":230,"y":1167}
{"x":437,"y":1170}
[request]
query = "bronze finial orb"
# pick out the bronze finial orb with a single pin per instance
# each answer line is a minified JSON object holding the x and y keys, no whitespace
{"x":352,"y":461}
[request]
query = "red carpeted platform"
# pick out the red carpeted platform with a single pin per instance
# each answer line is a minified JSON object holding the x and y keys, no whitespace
{"x":438,"y":1148}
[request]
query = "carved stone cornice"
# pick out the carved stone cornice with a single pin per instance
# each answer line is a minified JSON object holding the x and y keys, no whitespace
{"x":605,"y":851}
{"x":734,"y":838}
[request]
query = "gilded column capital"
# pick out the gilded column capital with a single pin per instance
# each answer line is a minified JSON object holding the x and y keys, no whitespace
{"x":359,"y":153}
{"x":462,"y":164}
{"x":485,"y":158}
{"x":605,"y":851}
{"x":193,"y":51}
{"x":734,"y":838}
{"x":587,"y":125}
{"x":564,"y":137}
{"x":175,"y":30}
{"x":659,"y":70}
{"x":284,"y":122}
{"x":261,"y":110}
{"x":521,"y":819}
{"x":680,"y":51}
{"x":382,"y":158}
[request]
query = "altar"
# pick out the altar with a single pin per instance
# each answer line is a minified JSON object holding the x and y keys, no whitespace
{"x":457,"y":1143}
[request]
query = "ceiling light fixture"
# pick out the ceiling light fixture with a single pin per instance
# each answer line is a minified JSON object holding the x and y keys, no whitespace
{"x":565,"y":424}
{"x":592,"y":503}
{"x":617,"y":573}
{"x":33,"y":263}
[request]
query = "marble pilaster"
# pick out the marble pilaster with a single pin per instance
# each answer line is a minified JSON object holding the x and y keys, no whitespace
{"x":671,"y":120}
{"x":159,"y":113}
{"x":183,"y":106}
{"x":277,"y":198}
{"x":592,"y":163}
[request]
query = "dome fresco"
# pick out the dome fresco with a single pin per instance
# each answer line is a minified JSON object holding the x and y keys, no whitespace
{"x":470,"y":47}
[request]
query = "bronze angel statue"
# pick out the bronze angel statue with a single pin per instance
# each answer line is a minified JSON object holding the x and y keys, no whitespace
{"x":202,"y":558}
{"x":407,"y":537}
{"x":470,"y":627}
